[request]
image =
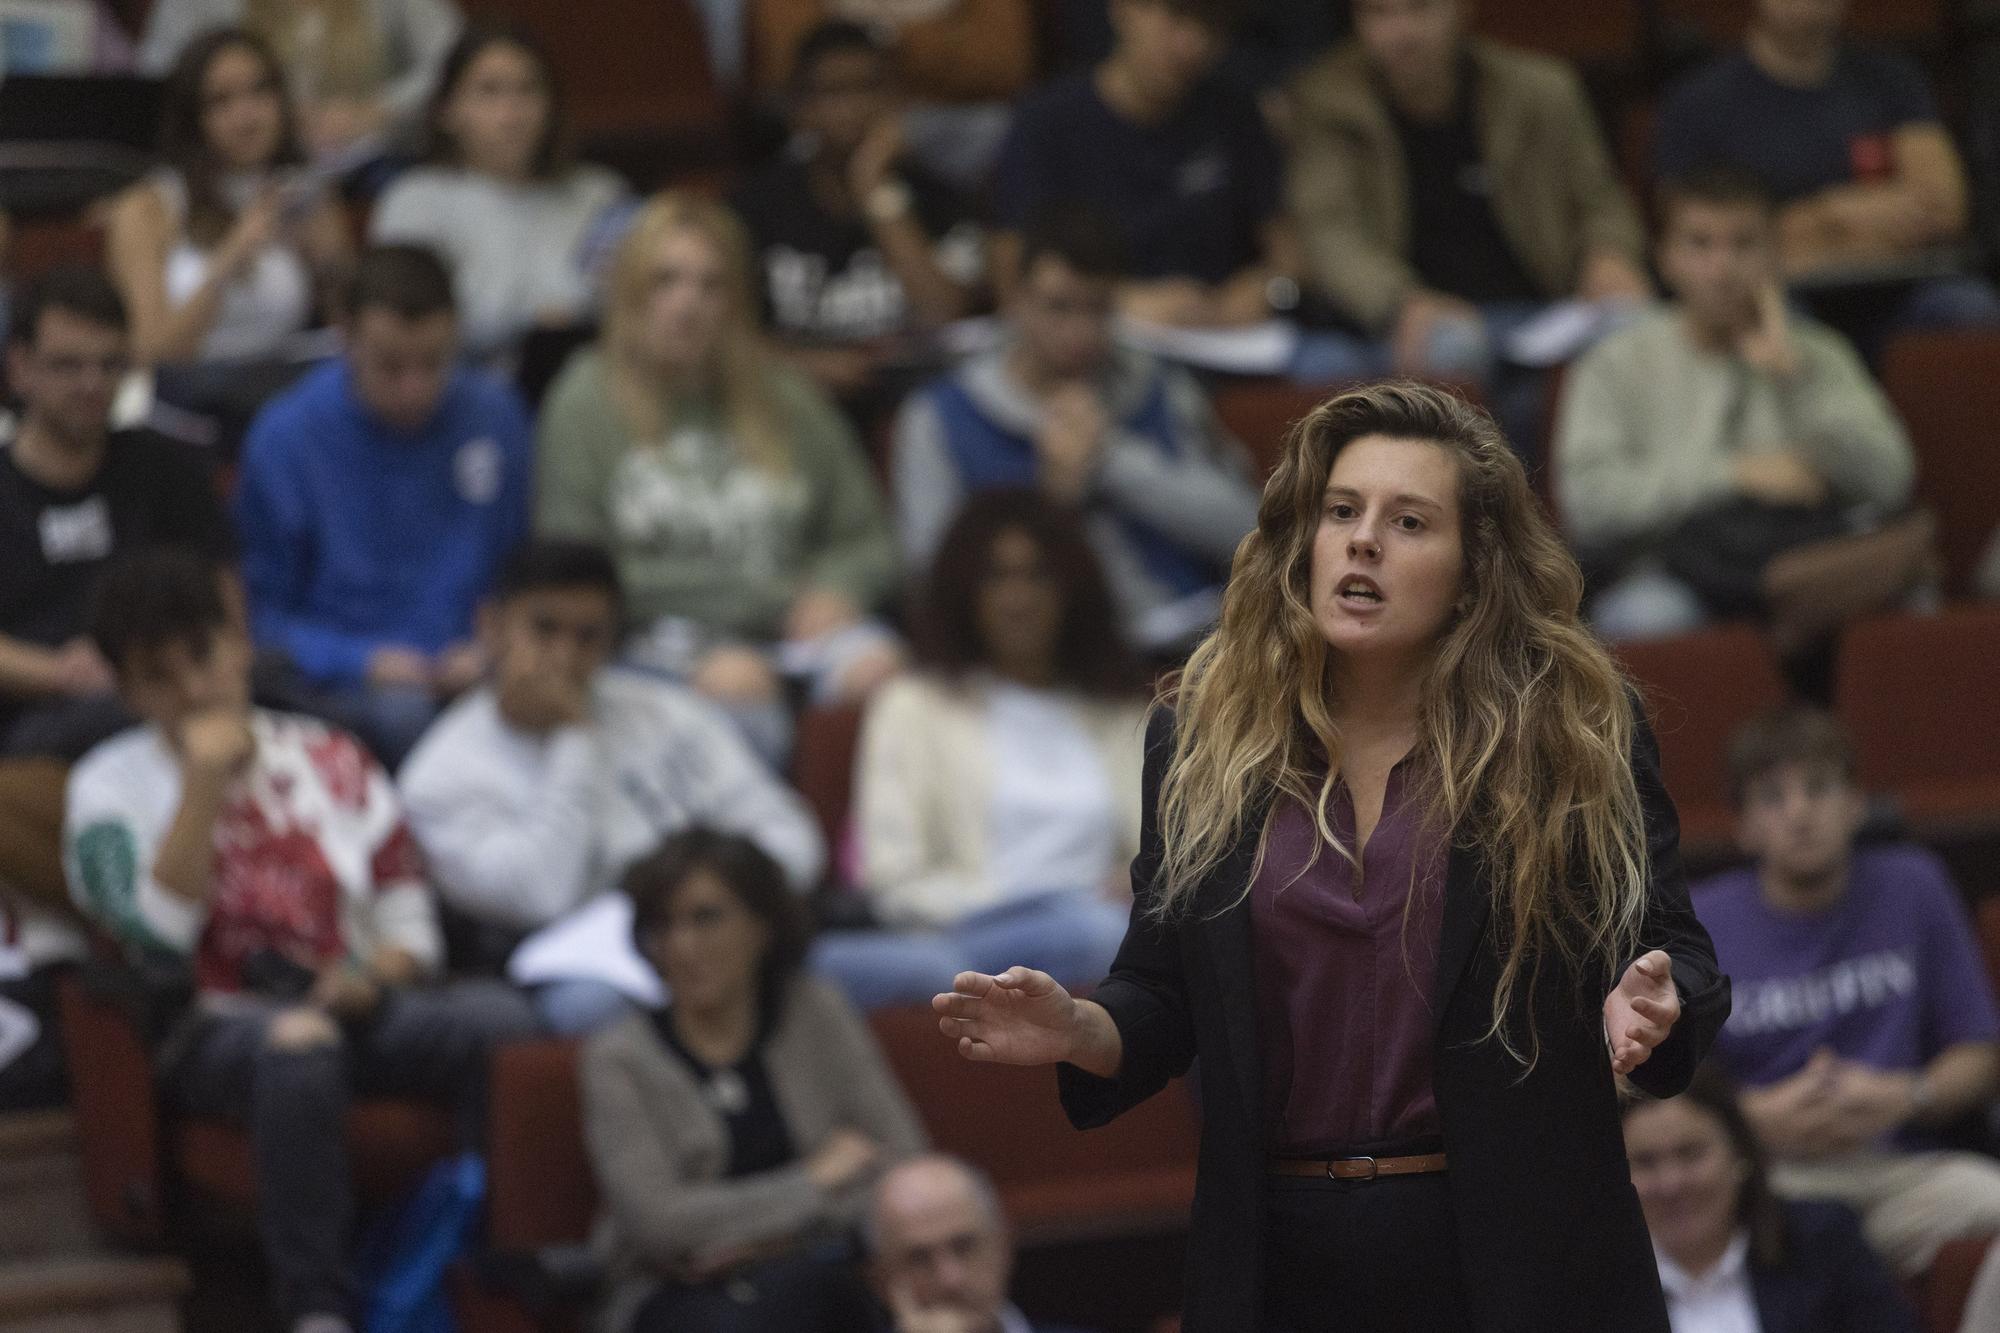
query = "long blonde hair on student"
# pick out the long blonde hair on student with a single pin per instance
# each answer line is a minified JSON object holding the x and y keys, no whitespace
{"x":1525,"y":723}
{"x":739,"y":369}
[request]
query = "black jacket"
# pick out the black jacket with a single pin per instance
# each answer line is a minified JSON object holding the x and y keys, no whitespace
{"x":1830,"y":1282}
{"x":1549,"y":1229}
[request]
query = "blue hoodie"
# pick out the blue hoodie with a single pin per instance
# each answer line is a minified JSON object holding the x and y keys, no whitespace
{"x":357,"y":536}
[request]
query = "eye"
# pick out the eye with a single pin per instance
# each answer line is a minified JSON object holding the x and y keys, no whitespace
{"x":1340,"y":509}
{"x":1409,"y":523}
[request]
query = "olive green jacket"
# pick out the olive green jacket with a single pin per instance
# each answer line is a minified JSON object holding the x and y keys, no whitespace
{"x":1556,"y":195}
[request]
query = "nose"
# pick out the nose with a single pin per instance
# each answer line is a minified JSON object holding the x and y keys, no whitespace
{"x":1362,"y":543}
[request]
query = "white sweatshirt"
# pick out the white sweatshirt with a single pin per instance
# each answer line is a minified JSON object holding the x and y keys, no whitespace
{"x":523,"y":829}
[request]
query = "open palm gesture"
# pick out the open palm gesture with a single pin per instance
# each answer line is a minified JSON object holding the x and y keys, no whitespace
{"x":1640,"y":1011}
{"x":1020,"y":1017}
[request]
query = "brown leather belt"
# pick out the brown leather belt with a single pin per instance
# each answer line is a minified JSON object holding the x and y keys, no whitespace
{"x":1356,"y":1168}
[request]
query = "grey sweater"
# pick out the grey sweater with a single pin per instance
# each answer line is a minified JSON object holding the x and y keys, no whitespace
{"x":1651,"y":427}
{"x":659,"y":1150}
{"x":1199,"y":494}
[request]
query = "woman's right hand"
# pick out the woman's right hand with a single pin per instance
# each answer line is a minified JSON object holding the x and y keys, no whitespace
{"x":1021,"y":1017}
{"x":255,"y":227}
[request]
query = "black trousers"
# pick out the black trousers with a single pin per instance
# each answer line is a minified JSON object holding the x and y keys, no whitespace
{"x":1361,"y":1256}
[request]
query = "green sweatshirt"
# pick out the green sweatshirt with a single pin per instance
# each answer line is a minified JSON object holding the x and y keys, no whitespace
{"x":696,"y":531}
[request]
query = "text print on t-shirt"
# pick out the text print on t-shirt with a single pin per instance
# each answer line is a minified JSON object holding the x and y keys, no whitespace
{"x":72,"y":533}
{"x":1782,"y":1004}
{"x":692,"y":498}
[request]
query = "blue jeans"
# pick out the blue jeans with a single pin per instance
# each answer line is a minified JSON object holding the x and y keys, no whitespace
{"x":1072,"y":936}
{"x":390,"y":720}
{"x":579,"y":1006}
{"x":1646,"y":602}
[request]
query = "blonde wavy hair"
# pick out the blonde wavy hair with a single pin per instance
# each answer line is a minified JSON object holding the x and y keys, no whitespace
{"x":1525,"y":723}
{"x":739,"y":371}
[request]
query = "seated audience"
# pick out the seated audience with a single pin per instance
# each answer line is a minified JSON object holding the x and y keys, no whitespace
{"x":74,"y":493}
{"x":266,"y":854}
{"x":1180,"y":160}
{"x":1734,"y":1258}
{"x":862,"y":249}
{"x":1863,"y":1021}
{"x":1447,"y":189}
{"x":377,"y":499}
{"x":736,"y":1132}
{"x":997,"y":787}
{"x":359,"y":67}
{"x":1128,"y":442}
{"x":734,"y":497}
{"x":499,"y":197}
{"x":1850,"y":143}
{"x":939,"y":1251}
{"x":1692,"y":447}
{"x":220,"y":252}
{"x":533,"y":793}
{"x":963,"y":62}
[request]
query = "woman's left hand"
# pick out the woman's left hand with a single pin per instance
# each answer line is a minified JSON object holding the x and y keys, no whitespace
{"x":1640,"y":1011}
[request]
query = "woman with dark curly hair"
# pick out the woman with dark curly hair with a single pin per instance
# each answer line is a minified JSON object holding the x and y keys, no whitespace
{"x":997,"y":791}
{"x":1409,"y":887}
{"x":735,"y":1133}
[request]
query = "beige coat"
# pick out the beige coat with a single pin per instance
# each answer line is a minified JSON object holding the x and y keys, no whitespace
{"x":1555,"y":194}
{"x":659,"y":1150}
{"x":923,"y":795}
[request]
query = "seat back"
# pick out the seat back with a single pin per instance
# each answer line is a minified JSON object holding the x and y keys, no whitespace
{"x":116,"y":1103}
{"x":539,"y":1187}
{"x":1699,"y":689}
{"x":823,"y":753}
{"x":1944,"y":388}
{"x":1134,"y":1174}
{"x":1916,"y":693}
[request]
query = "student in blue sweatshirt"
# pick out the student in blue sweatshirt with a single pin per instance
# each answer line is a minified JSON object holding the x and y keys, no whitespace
{"x":377,"y":499}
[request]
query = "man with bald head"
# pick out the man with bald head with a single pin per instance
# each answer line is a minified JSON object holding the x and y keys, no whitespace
{"x":940,"y":1252}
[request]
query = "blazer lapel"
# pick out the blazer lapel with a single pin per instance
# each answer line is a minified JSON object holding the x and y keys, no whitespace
{"x":1231,"y":954}
{"x":1466,"y":905}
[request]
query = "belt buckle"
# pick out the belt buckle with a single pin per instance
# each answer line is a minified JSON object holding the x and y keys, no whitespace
{"x":1373,"y":1169}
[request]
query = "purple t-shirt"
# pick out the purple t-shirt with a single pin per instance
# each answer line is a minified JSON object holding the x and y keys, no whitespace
{"x":1888,"y":976}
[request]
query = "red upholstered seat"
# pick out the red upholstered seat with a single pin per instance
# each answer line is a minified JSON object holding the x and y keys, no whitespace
{"x":1944,"y":388}
{"x":823,"y":765}
{"x":1700,"y":688}
{"x":1135,"y":1174}
{"x":1918,"y":694}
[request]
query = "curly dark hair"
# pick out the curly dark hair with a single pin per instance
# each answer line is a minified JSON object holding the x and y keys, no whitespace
{"x":1091,"y":652}
{"x":184,"y":145}
{"x":749,"y":872}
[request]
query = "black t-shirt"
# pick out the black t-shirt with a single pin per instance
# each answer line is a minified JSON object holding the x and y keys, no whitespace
{"x":759,"y":1139}
{"x":1796,"y":141}
{"x":1456,"y":245}
{"x":824,"y":278}
{"x":54,"y":543}
{"x":1191,"y":194}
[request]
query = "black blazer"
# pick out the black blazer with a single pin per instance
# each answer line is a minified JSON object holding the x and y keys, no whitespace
{"x":1549,"y":1229}
{"x":1830,"y":1282}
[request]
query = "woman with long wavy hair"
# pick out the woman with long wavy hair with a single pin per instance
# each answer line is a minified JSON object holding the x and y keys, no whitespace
{"x":1409,"y":888}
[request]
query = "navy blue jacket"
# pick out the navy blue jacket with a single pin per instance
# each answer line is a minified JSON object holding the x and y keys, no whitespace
{"x":1830,"y":1282}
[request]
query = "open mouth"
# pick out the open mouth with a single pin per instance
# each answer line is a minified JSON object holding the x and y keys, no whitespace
{"x":1359,"y":590}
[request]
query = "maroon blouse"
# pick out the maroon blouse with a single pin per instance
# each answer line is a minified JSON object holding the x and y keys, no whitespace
{"x":1344,"y":978}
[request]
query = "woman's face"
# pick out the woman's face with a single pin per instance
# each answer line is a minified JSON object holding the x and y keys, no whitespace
{"x":242,"y":109}
{"x":1688,"y":1176}
{"x":686,"y":301}
{"x":1388,"y":557}
{"x":498,"y":112}
{"x":1020,"y":608}
{"x":710,"y":946}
